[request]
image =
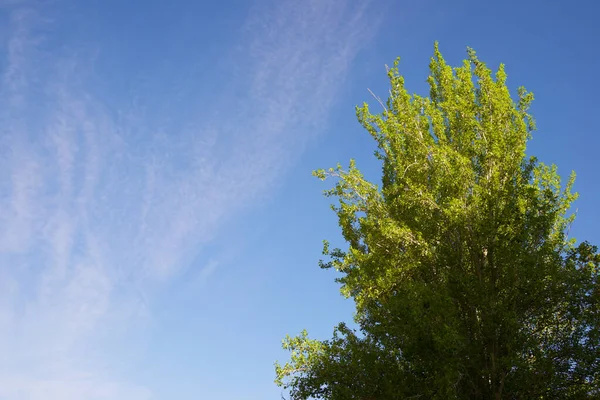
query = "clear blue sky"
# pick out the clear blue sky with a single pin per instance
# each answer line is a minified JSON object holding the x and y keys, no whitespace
{"x":159,"y":227}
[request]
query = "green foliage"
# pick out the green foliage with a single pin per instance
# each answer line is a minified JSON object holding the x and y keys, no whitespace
{"x":465,"y":282}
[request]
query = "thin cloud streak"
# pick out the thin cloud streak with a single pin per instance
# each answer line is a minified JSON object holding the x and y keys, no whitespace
{"x":93,"y":219}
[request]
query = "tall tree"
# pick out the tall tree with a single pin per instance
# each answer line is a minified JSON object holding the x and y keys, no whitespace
{"x":465,"y":282}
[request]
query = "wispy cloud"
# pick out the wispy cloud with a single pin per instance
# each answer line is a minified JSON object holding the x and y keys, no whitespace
{"x":92,"y":218}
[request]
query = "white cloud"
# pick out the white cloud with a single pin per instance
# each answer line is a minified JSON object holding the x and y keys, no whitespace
{"x":92,"y":218}
{"x":75,"y":387}
{"x":206,"y":272}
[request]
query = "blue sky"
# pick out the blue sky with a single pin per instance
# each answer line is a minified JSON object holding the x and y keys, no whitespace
{"x":159,"y":227}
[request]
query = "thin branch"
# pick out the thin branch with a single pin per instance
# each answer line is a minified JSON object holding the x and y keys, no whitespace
{"x":378,"y":99}
{"x":406,"y":169}
{"x":570,"y":224}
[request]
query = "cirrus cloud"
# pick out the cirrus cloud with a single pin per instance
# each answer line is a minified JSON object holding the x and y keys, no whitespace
{"x":98,"y":208}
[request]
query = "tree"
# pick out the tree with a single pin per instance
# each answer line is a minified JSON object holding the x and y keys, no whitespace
{"x":465,"y":282}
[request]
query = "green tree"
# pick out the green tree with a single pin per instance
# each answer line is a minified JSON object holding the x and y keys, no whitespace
{"x":465,"y":282}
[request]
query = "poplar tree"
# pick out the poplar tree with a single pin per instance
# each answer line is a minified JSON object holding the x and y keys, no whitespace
{"x":465,"y":281}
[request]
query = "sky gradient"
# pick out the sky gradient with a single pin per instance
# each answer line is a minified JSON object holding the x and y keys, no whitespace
{"x":159,"y":227}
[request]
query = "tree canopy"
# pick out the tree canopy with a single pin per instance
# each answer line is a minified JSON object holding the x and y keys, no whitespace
{"x":465,"y":281}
